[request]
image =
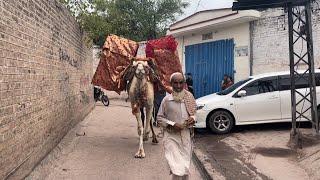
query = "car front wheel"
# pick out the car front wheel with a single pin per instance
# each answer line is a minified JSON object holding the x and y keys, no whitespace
{"x":221,"y":122}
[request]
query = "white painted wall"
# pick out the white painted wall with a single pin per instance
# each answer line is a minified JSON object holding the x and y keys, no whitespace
{"x":240,"y":34}
{"x":271,"y":41}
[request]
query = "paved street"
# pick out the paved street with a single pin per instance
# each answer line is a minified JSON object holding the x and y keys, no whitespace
{"x":247,"y":152}
{"x":106,"y":151}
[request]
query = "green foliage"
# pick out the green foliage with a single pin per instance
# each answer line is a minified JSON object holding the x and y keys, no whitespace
{"x":138,"y":20}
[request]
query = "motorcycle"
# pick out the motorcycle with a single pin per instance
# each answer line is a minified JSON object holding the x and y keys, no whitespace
{"x":100,"y":96}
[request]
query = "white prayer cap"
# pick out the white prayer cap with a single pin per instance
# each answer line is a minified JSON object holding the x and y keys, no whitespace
{"x":173,"y":74}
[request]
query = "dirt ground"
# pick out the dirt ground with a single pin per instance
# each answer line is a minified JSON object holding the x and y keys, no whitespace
{"x":102,"y":147}
{"x":258,"y":152}
{"x":262,"y":152}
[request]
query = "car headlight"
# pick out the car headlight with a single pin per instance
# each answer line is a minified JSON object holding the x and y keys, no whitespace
{"x":200,"y":106}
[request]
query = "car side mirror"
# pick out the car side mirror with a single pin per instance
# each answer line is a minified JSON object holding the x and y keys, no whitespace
{"x":242,"y":93}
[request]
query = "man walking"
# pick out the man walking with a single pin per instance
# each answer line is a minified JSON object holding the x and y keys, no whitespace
{"x":177,"y":115}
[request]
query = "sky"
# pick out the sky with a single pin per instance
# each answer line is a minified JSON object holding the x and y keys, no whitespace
{"x":204,"y":5}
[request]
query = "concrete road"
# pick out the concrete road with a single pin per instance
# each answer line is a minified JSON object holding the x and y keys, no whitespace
{"x":106,"y":151}
{"x":260,"y":152}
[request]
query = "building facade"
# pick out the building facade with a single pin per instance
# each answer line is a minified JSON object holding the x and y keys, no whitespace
{"x":213,"y":43}
{"x":270,"y":41}
{"x":237,"y":43}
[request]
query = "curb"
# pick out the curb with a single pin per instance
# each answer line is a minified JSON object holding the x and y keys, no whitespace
{"x":203,"y":171}
{"x":207,"y":171}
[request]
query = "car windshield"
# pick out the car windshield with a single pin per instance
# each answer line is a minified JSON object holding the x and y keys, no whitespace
{"x":233,"y":87}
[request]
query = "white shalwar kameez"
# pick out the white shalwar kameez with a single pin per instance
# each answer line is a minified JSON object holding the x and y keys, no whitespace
{"x":177,"y":145}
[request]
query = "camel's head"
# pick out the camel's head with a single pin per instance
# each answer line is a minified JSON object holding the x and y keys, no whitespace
{"x":141,"y":68}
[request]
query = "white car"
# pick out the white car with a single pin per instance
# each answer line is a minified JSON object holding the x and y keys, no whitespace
{"x":264,"y":98}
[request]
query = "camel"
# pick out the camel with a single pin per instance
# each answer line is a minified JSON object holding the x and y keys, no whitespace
{"x":141,"y":75}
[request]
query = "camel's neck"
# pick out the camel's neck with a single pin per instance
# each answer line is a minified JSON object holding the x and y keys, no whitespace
{"x":140,"y":82}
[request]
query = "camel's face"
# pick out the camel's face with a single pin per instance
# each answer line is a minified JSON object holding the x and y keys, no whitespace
{"x":141,"y":68}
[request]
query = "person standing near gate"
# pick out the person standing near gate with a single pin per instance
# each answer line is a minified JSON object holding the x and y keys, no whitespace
{"x":176,"y":115}
{"x":189,"y":82}
{"x":158,"y":97}
{"x":227,"y":82}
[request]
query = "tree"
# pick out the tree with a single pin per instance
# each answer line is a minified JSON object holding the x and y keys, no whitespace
{"x":138,"y":20}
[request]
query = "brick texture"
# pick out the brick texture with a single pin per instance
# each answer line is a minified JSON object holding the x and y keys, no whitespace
{"x":271,"y":41}
{"x":45,"y":73}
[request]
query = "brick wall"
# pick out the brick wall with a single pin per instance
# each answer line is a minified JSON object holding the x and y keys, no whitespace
{"x":45,"y":74}
{"x":270,"y":41}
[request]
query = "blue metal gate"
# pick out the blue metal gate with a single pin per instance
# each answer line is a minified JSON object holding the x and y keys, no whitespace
{"x":208,"y":62}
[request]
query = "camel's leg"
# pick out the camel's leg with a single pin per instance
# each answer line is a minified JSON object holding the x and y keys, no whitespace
{"x":149,"y":110}
{"x":140,"y":153}
{"x":148,"y":121}
{"x":154,"y":137}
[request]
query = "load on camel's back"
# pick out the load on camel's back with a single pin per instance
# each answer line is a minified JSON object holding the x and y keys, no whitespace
{"x":119,"y":69}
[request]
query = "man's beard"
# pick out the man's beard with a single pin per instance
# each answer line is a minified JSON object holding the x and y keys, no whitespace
{"x":178,"y":96}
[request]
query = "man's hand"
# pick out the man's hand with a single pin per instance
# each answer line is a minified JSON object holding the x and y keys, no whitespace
{"x":178,"y":126}
{"x":191,"y":121}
